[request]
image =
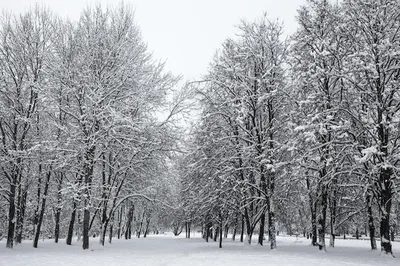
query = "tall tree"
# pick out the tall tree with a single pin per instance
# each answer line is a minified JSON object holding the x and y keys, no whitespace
{"x":373,"y":70}
{"x":317,"y":60}
{"x":25,"y":51}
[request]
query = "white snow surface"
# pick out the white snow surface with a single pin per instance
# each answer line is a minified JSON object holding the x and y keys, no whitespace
{"x":169,"y":250}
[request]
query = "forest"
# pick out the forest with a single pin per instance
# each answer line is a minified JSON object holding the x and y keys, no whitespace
{"x":287,"y":134}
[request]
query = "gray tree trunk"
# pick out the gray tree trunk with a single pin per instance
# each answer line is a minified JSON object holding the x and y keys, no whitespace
{"x":42,"y":210}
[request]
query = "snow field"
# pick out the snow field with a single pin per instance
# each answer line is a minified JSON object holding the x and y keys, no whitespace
{"x":167,"y":250}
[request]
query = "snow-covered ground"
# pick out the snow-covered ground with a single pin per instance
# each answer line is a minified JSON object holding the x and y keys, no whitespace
{"x":170,"y":250}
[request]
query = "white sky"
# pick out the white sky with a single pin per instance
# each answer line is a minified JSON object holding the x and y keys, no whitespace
{"x":185,"y":33}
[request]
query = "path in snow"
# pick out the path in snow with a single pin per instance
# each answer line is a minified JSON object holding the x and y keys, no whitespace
{"x":170,"y":250}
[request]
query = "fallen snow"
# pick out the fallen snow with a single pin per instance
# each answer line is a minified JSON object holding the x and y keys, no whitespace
{"x":170,"y":250}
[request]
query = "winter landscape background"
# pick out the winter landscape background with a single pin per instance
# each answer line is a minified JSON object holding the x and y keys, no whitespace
{"x":285,"y":150}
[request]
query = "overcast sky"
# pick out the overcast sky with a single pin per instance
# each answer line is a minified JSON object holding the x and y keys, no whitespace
{"x":186,"y":33}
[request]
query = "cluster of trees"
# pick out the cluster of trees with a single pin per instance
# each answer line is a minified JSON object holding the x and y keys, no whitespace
{"x":82,"y":147}
{"x":301,"y":134}
{"x":298,"y":135}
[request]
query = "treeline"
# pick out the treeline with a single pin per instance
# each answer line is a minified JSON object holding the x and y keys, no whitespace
{"x":301,"y":135}
{"x":82,"y":147}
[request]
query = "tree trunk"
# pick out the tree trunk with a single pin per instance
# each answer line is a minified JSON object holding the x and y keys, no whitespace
{"x":128,"y":231}
{"x":11,"y":214}
{"x":234,"y":233}
{"x":242,"y":229}
{"x":42,"y":210}
{"x":220,"y":234}
{"x":79,"y":226}
{"x":333,"y":218}
{"x":71,"y":223}
{"x":139,"y":231}
{"x":103,"y":233}
{"x":235,"y":228}
{"x":21,"y":213}
{"x":272,"y":225}
{"x":226,"y":231}
{"x":271,"y":209}
{"x":58,"y":209}
{"x":249,"y":230}
{"x":386,"y":204}
{"x":314,"y":225}
{"x":111,"y":232}
{"x":38,"y":196}
{"x":119,"y":230}
{"x":86,"y":222}
{"x":313,"y":210}
{"x":148,"y":219}
{"x":249,"y":237}
{"x":332,"y":238}
{"x":261,"y":231}
{"x":104,"y":201}
{"x":216,"y":234}
{"x":73,"y":213}
{"x":88,"y":168}
{"x":322,"y":219}
{"x":207,"y":232}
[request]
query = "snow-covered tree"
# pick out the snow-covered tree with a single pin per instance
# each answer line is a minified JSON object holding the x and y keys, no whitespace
{"x":373,"y":71}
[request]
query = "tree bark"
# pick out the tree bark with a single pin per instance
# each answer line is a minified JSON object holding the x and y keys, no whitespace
{"x":110,"y":236}
{"x":58,"y":209}
{"x":85,"y":229}
{"x":11,"y":214}
{"x":119,"y":230}
{"x":272,"y":222}
{"x":139,"y":230}
{"x":333,"y":216}
{"x":235,"y":228}
{"x":220,"y":233}
{"x":148,"y":219}
{"x":242,"y":229}
{"x":313,"y":210}
{"x":21,"y":213}
{"x":73,"y":213}
{"x":271,"y":210}
{"x":226,"y":231}
{"x":207,"y":232}
{"x":128,"y":231}
{"x":103,"y":233}
{"x":322,"y":219}
{"x":261,"y":231}
{"x":71,"y":223}
{"x":88,"y":167}
{"x":216,"y":234}
{"x":42,"y":210}
{"x":104,"y":202}
{"x":386,"y":204}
